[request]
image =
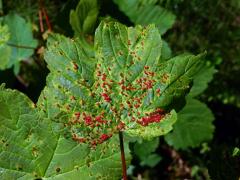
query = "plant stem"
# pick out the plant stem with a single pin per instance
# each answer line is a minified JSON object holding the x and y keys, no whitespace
{"x":47,"y":19}
{"x":40,"y":21}
{"x":20,"y":46}
{"x":124,"y":167}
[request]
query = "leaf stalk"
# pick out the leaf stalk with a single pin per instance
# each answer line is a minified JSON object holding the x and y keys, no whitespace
{"x":124,"y":167}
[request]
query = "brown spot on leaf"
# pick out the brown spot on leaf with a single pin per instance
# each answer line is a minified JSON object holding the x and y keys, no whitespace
{"x":58,"y":169}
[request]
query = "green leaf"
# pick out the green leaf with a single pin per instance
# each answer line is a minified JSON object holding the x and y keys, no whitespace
{"x":78,"y":161}
{"x":145,"y":148}
{"x":125,"y":86}
{"x":5,"y":50}
{"x":166,"y":51}
{"x":83,"y":19}
{"x":236,"y":152}
{"x":31,"y":146}
{"x":4,"y":35}
{"x":193,"y":127}
{"x":146,"y":12}
{"x":201,"y":80}
{"x":146,"y":2}
{"x":69,"y":63}
{"x":27,"y":143}
{"x":21,"y":39}
{"x":66,"y":55}
{"x":145,"y":152}
{"x":151,"y":160}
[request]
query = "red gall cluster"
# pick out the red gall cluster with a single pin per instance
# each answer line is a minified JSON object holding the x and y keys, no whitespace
{"x":124,"y":87}
{"x":106,"y":97}
{"x":121,"y":126}
{"x":93,"y":122}
{"x":154,"y":117}
{"x":105,"y":137}
{"x":148,"y":81}
{"x":100,"y":120}
{"x":90,"y":122}
{"x":101,"y":139}
{"x":133,"y":103}
{"x":104,"y":76}
{"x":158,"y":91}
{"x":147,"y":72}
{"x":94,"y":142}
{"x":77,"y":115}
{"x":165,"y":78}
{"x":104,"y":83}
{"x":145,"y":83}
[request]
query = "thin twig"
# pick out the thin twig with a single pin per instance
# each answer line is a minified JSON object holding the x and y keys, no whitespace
{"x":40,"y":15}
{"x":124,"y":167}
{"x":22,"y":81}
{"x":47,"y":19}
{"x":40,"y":21}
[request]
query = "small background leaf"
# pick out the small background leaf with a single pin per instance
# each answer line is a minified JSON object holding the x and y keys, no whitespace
{"x":193,"y":127}
{"x":5,"y":50}
{"x":166,"y":51}
{"x":20,"y":35}
{"x":83,"y":19}
{"x":201,"y":80}
{"x":145,"y":152}
{"x":152,"y":160}
{"x":146,"y":12}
